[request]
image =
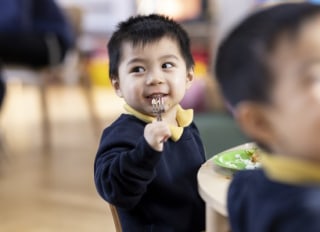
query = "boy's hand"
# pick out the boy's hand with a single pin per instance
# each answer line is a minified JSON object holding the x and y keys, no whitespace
{"x":156,"y":133}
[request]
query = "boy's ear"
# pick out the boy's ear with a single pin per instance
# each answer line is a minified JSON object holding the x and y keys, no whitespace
{"x":116,"y":85}
{"x":190,"y":77}
{"x":252,"y":119}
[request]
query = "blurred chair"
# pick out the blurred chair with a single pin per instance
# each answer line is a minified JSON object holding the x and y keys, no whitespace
{"x":115,"y":218}
{"x":66,"y":71}
{"x":41,"y":78}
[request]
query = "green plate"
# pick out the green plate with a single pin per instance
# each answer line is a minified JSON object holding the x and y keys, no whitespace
{"x":236,"y":159}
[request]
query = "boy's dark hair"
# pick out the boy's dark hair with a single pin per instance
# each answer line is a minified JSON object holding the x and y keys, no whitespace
{"x":143,"y":30}
{"x":242,"y":60}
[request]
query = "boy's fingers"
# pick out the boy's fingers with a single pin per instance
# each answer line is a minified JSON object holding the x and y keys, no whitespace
{"x":165,"y":139}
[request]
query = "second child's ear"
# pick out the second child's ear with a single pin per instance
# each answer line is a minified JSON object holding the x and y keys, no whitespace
{"x":116,"y":85}
{"x":252,"y":120}
{"x":190,"y":77}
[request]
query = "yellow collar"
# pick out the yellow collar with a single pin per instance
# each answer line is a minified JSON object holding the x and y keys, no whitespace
{"x":290,"y":170}
{"x":184,"y":119}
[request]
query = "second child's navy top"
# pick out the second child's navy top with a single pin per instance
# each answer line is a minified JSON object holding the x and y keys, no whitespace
{"x":258,"y":204}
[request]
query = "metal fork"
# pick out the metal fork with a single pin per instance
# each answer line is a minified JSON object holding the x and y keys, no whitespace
{"x":157,"y":106}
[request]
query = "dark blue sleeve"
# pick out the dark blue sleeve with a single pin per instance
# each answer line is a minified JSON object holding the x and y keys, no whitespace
{"x":124,"y":166}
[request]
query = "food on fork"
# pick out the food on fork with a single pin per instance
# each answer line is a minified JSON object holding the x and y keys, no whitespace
{"x":157,"y":106}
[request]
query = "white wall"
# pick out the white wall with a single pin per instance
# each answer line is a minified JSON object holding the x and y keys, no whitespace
{"x":229,"y":13}
{"x":101,"y":16}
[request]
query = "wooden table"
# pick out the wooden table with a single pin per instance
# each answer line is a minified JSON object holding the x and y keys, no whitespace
{"x":213,"y":183}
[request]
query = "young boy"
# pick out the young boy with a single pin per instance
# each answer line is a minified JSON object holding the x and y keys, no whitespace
{"x":146,"y":167}
{"x":268,"y":68}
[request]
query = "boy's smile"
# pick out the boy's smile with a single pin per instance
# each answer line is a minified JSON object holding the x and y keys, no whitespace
{"x":155,"y":68}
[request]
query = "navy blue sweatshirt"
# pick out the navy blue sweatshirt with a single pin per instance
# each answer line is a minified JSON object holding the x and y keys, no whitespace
{"x":258,"y":204}
{"x":152,"y":191}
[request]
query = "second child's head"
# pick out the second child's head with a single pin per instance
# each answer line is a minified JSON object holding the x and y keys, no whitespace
{"x":268,"y":69}
{"x":150,"y":55}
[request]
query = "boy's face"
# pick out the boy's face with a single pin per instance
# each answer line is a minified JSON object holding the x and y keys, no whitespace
{"x":155,"y":68}
{"x":292,"y":120}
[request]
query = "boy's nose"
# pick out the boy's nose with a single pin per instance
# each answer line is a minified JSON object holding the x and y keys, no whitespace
{"x":154,"y":78}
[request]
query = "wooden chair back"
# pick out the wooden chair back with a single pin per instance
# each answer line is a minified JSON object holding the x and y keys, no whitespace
{"x":115,"y":217}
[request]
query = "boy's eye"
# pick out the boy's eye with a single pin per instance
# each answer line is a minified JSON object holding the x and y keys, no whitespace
{"x":137,"y":69}
{"x":167,"y":65}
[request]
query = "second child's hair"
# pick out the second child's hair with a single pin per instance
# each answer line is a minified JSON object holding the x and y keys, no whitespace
{"x":141,"y":30}
{"x":241,"y":66}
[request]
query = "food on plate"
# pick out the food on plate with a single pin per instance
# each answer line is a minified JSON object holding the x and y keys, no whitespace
{"x":255,"y":158}
{"x":238,"y":159}
{"x":253,"y":161}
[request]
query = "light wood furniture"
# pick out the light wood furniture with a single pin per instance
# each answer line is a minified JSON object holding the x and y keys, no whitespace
{"x":213,"y":183}
{"x":213,"y":186}
{"x":115,"y":218}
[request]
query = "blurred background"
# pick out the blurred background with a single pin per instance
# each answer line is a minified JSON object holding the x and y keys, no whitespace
{"x":52,"y":118}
